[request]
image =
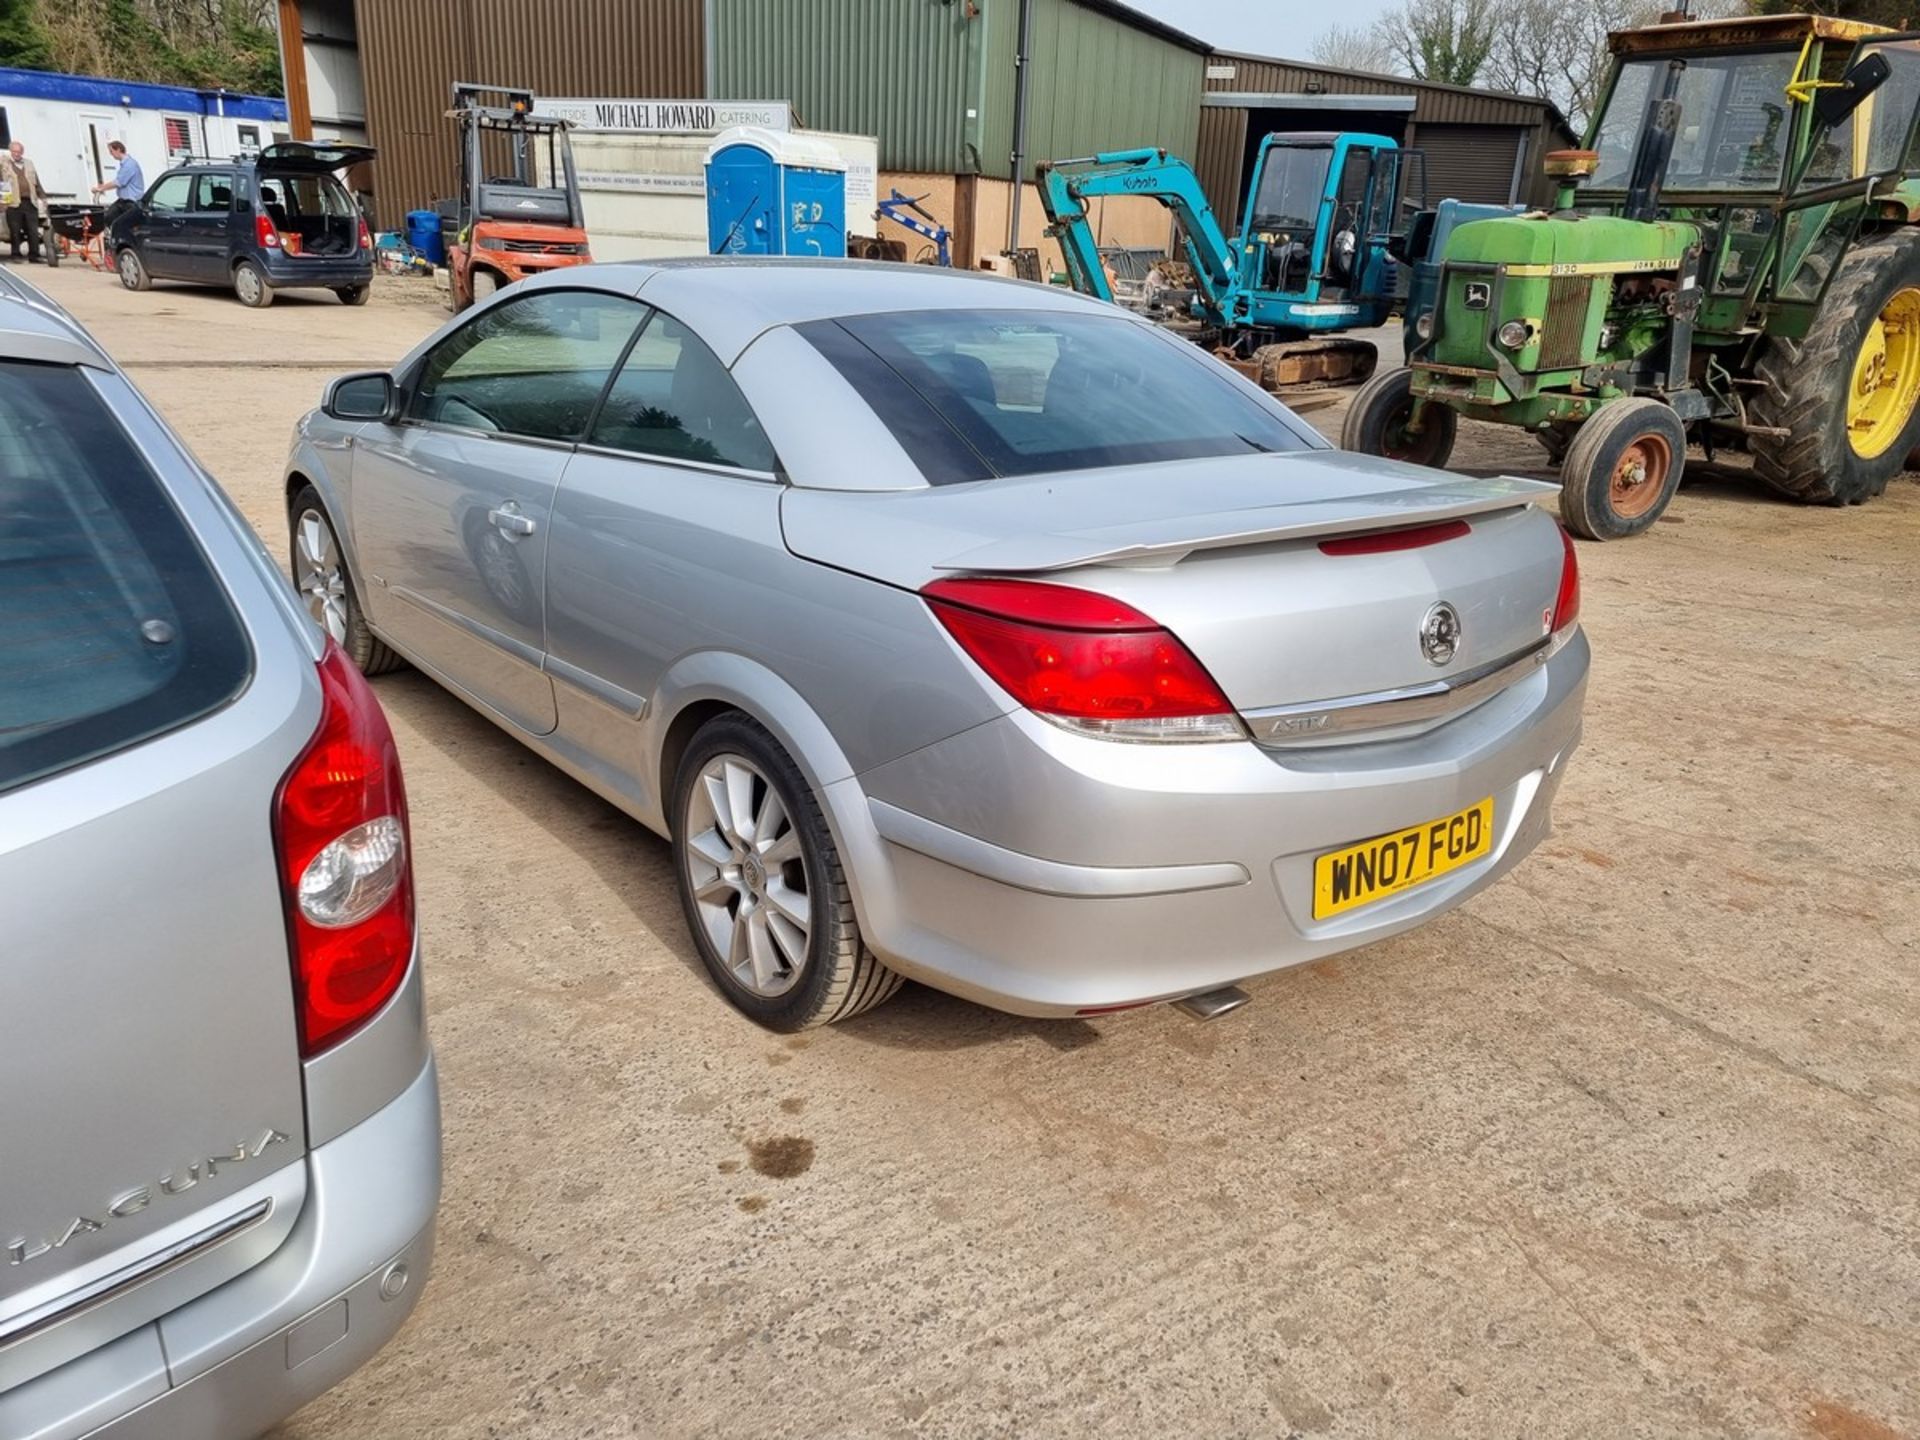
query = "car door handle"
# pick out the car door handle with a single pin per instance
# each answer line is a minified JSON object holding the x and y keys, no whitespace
{"x":511,"y":523}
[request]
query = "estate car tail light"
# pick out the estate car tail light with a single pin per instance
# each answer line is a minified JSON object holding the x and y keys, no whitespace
{"x":1566,"y":604}
{"x":340,"y":823}
{"x":263,"y":228}
{"x":1086,"y":662}
{"x":366,"y":236}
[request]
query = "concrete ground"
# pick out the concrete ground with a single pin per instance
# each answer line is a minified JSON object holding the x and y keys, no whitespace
{"x":1626,"y":1146}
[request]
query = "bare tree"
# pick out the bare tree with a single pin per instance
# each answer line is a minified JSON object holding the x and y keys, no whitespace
{"x":1354,"y":47}
{"x":1444,"y":40}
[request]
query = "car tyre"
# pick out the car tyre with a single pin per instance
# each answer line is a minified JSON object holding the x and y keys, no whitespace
{"x":251,"y":287}
{"x":326,"y":586}
{"x":133,"y":270}
{"x":753,"y":857}
{"x":1622,"y":469}
{"x":354,"y":294}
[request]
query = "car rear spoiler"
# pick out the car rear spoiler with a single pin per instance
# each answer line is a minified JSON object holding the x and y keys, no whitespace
{"x":1351,"y":514}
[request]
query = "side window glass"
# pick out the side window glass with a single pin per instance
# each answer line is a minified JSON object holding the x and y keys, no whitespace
{"x":170,"y":194}
{"x":534,"y":366}
{"x":676,"y":400}
{"x":213,"y":193}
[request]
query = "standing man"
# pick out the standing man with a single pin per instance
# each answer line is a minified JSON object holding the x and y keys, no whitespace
{"x":128,"y":185}
{"x":29,"y":199}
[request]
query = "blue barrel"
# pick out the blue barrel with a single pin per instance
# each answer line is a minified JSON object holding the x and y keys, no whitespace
{"x":423,"y":233}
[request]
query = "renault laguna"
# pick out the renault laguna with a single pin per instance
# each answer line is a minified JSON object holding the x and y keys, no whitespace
{"x":951,"y":628}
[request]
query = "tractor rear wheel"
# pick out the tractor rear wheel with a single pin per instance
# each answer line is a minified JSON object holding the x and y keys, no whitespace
{"x":1379,"y":420}
{"x":1846,"y":399}
{"x":1622,"y":469}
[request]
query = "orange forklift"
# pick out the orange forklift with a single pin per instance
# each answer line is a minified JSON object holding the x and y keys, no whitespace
{"x":518,"y":210}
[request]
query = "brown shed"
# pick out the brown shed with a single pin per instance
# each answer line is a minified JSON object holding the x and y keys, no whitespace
{"x":1480,"y":144}
{"x":412,"y":52}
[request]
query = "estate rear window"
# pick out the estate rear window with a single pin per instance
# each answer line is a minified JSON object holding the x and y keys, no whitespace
{"x":1023,"y":392}
{"x":116,"y":628}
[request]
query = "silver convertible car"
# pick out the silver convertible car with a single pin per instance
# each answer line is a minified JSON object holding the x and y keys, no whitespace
{"x":952,"y":628}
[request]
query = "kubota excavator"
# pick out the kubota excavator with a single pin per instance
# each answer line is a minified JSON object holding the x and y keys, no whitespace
{"x":1315,"y":255}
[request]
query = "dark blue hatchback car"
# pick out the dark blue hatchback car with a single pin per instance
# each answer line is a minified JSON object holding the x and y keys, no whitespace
{"x":278,"y":220}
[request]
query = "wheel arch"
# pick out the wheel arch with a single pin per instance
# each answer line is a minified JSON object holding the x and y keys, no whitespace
{"x":699,"y":687}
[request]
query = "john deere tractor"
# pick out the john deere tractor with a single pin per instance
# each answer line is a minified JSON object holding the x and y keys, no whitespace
{"x":1733,"y":260}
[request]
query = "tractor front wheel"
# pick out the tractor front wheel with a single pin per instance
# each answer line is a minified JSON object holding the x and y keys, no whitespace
{"x":1622,"y":469}
{"x":1380,"y":422}
{"x":1839,"y":411}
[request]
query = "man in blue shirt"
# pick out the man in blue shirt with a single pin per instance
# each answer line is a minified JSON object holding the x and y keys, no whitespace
{"x":128,"y":185}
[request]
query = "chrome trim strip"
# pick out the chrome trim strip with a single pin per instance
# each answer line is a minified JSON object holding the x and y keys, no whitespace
{"x":111,"y":1287}
{"x":595,"y":687}
{"x":1044,"y":877}
{"x":527,"y":654}
{"x":1316,"y":720}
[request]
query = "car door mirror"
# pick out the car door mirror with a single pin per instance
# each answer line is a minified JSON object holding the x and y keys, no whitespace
{"x":368,"y":395}
{"x":1865,"y":76}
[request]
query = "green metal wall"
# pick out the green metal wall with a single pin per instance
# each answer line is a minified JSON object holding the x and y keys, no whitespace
{"x":1100,"y":84}
{"x":907,"y":71}
{"x":896,"y":69}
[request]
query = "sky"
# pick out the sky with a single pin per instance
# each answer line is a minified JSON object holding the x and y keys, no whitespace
{"x":1262,"y":27}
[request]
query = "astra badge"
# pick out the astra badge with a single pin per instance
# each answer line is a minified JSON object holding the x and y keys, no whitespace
{"x":1440,"y":634}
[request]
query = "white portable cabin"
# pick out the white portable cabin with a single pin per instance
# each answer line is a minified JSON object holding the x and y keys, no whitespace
{"x":66,"y":122}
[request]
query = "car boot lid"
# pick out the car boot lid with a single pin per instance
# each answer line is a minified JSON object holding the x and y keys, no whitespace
{"x":1152,"y":515}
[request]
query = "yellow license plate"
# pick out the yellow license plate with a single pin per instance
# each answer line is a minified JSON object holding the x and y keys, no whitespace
{"x":1388,"y":864}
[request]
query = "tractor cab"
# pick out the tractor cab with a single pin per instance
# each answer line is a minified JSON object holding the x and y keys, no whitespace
{"x":1735,"y":173}
{"x":518,"y":208}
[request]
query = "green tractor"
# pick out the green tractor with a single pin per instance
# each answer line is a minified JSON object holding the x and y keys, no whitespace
{"x":1734,"y":260}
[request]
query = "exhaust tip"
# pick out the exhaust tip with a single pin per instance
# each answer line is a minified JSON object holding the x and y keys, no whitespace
{"x":1212,"y":1004}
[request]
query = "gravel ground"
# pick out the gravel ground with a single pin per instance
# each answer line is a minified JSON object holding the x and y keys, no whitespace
{"x":1625,"y":1146}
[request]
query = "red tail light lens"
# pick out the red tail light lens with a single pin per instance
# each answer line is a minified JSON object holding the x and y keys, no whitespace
{"x":340,"y":822}
{"x":1566,"y":605}
{"x":264,"y":230}
{"x":366,"y":236}
{"x":1084,"y":661}
{"x":1382,"y":542}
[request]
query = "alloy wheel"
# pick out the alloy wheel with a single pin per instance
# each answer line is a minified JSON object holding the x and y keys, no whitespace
{"x":749,"y":875}
{"x":322,"y":578}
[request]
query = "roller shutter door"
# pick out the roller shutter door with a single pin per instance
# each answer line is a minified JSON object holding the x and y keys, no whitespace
{"x":1470,"y":162}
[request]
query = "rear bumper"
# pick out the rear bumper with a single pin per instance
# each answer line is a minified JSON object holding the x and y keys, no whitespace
{"x":1046,"y":873}
{"x":239,"y":1359}
{"x":296,"y":272}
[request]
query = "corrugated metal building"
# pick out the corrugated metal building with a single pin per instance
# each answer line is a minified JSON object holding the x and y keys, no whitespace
{"x":412,"y":52}
{"x":935,"y":81}
{"x":1479,"y":144}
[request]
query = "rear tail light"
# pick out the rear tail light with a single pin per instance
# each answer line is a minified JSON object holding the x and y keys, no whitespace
{"x":1566,"y":604}
{"x":1084,"y":661}
{"x":340,"y":825}
{"x":366,"y":236}
{"x":263,"y":229}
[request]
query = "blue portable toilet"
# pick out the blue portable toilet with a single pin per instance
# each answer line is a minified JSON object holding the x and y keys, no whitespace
{"x":770,"y":192}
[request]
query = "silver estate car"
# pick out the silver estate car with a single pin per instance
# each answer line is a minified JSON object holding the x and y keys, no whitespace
{"x":220,"y":1136}
{"x":951,"y":627}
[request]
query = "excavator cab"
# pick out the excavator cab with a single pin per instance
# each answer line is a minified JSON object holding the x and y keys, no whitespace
{"x":1322,"y":213}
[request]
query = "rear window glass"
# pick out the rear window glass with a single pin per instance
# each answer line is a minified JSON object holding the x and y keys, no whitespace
{"x":1024,"y":392}
{"x":116,"y":629}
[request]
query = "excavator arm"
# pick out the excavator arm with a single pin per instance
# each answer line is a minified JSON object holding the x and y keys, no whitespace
{"x":1066,"y":186}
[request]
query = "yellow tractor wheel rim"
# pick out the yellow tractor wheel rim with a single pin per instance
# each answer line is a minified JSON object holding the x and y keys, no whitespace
{"x":1886,"y":377}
